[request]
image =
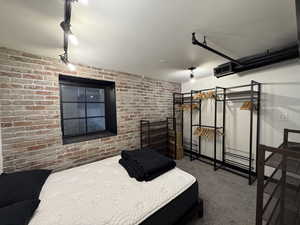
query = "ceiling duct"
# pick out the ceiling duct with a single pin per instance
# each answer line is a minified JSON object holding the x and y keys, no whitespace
{"x":257,"y":61}
{"x":250,"y":62}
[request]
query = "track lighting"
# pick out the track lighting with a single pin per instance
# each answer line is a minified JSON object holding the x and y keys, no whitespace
{"x":66,"y":26}
{"x":192,"y":72}
{"x":84,"y":2}
{"x":68,"y":35}
{"x":65,"y":60}
{"x":73,"y":39}
{"x":71,"y":67}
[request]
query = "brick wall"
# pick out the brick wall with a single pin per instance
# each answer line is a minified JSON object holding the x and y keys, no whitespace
{"x":30,"y":112}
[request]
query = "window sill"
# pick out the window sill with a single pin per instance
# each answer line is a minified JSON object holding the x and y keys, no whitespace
{"x":71,"y":140}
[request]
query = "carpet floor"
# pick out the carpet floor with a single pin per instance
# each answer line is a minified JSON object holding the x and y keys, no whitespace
{"x":228,"y":199}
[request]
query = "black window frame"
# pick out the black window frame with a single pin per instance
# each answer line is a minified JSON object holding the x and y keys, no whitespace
{"x":110,"y":107}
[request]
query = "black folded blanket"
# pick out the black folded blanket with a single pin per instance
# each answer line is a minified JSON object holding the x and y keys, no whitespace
{"x":145,"y":164}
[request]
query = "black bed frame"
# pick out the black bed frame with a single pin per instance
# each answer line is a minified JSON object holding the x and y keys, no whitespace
{"x":155,"y":134}
{"x":196,"y":211}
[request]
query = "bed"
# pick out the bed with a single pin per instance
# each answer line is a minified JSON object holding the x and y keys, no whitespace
{"x":102,"y":193}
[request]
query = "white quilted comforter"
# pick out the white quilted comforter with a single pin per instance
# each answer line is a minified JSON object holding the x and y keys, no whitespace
{"x":103,"y":193}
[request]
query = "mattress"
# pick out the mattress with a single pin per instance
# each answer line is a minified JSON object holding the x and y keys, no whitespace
{"x":180,"y":210}
{"x":103,"y":193}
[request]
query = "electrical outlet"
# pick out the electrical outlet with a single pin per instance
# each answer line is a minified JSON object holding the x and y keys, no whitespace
{"x":283,"y":116}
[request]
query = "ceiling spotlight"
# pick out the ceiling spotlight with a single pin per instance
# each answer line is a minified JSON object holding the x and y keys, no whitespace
{"x":192,"y":72}
{"x":66,"y":26}
{"x":73,"y":39}
{"x":64,"y":59}
{"x":71,"y":67}
{"x":84,"y":2}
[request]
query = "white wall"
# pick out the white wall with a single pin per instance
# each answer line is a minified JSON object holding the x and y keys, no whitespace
{"x":280,"y":94}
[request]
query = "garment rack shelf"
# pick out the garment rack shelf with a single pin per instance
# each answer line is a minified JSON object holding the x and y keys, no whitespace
{"x":278,"y":196}
{"x":221,"y":95}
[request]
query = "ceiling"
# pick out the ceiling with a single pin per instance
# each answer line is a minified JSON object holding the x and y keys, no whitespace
{"x":150,"y":38}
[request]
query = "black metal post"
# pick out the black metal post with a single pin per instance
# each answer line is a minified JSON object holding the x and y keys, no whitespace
{"x":200,"y":122}
{"x":174,"y":96}
{"x":260,"y":185}
{"x":167,"y":142}
{"x":283,"y":185}
{"x":182,"y":122}
{"x":174,"y":116}
{"x":175,"y":134}
{"x":215,"y":130}
{"x":251,"y":136}
{"x":191,"y":123}
{"x":258,"y":120}
{"x":224,"y":124}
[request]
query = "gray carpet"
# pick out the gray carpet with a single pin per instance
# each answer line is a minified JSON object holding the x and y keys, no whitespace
{"x":228,"y":199}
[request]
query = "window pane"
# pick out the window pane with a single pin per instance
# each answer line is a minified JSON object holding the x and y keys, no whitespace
{"x":94,"y":95}
{"x":73,"y":94}
{"x":95,"y":109}
{"x":73,"y":110}
{"x":96,"y":124}
{"x":74,"y":127}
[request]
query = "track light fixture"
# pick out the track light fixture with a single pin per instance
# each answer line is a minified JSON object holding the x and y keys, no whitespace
{"x":73,"y":39}
{"x":84,"y":2}
{"x":192,"y":72}
{"x":66,"y":26}
{"x":68,"y":35}
{"x":65,"y":60}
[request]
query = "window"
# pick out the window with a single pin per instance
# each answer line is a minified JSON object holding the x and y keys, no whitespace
{"x":88,"y":109}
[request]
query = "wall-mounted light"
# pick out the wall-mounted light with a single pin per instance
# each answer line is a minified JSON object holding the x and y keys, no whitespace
{"x":192,"y":76}
{"x":65,"y":60}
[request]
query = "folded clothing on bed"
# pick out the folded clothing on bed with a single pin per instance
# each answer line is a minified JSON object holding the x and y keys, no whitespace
{"x":145,"y":164}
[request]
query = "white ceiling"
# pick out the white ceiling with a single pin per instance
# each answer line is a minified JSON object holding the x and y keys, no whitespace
{"x":151,"y":38}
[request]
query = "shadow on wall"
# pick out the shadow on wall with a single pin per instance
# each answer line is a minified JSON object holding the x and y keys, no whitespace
{"x":280,"y":108}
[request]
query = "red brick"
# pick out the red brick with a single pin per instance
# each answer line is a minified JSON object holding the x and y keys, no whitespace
{"x":35,"y":107}
{"x":36,"y":147}
{"x":22,"y":124}
{"x":31,"y":128}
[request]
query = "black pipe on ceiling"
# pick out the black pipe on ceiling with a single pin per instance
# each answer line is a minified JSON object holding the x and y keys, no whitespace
{"x":255,"y":61}
{"x":204,"y":45}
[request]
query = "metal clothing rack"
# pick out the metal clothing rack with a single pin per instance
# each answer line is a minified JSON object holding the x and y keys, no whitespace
{"x":245,"y":165}
{"x":228,"y":161}
{"x":278,"y":196}
{"x":190,"y":147}
{"x":159,"y":135}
